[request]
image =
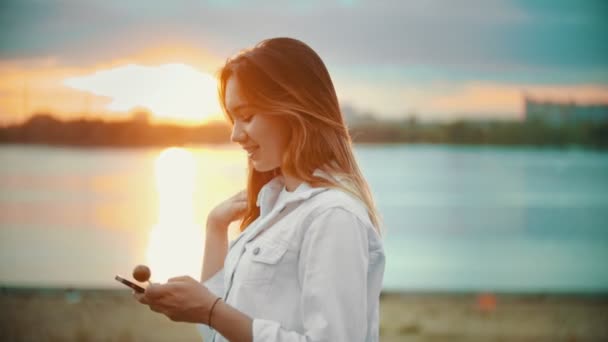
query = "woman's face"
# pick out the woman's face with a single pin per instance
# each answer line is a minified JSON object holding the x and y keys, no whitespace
{"x":263,"y":136}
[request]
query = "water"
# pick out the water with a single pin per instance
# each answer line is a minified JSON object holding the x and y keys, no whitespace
{"x":455,"y":218}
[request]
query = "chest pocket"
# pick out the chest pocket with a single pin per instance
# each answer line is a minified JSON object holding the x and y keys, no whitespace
{"x":262,"y":260}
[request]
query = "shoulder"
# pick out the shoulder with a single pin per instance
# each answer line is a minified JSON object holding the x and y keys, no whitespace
{"x":337,"y":200}
{"x":336,"y":207}
{"x":337,"y":215}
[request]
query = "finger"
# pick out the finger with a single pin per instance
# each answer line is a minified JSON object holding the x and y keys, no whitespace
{"x":155,"y":291}
{"x":140,"y":297}
{"x":157,"y":308}
{"x":180,"y":278}
{"x":241,"y":195}
{"x":240,"y":206}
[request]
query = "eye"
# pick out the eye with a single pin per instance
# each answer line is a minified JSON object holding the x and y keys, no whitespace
{"x":248,"y":117}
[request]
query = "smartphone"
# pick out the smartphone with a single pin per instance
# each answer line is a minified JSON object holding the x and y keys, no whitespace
{"x":130,"y":284}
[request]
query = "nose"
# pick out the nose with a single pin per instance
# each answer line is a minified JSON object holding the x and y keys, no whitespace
{"x":238,"y":133}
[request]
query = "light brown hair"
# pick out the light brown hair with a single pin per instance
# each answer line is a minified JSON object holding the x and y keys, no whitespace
{"x":284,"y":76}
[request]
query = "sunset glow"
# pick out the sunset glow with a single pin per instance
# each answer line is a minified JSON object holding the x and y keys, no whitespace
{"x":169,"y":91}
{"x":175,"y":244}
{"x":164,"y":58}
{"x":189,"y":183}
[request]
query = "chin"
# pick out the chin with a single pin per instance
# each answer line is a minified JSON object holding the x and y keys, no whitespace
{"x":262,"y":167}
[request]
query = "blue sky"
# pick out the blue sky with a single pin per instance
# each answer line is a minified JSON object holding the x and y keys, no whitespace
{"x":395,"y":52}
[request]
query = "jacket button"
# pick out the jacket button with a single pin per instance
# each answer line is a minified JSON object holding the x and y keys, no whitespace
{"x":256,"y":251}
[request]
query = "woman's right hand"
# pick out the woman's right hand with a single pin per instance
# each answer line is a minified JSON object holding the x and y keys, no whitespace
{"x":229,"y":210}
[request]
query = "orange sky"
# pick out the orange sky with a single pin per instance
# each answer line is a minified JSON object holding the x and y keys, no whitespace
{"x":30,"y":86}
{"x":440,"y":60}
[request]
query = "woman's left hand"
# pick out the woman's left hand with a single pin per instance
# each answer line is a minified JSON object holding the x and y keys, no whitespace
{"x":182,"y":299}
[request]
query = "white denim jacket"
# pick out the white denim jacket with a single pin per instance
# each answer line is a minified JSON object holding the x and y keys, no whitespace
{"x":308,"y":269}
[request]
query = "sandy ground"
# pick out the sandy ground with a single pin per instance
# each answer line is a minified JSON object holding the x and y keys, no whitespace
{"x":486,"y":317}
{"x":106,"y":315}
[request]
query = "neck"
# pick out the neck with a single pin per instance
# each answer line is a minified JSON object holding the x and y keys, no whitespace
{"x":291,"y":183}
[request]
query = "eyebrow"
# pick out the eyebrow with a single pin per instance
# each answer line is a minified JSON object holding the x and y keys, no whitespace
{"x":236,"y":109}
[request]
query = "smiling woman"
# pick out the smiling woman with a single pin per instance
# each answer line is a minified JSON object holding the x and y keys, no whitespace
{"x":176,"y":92}
{"x":309,"y":261}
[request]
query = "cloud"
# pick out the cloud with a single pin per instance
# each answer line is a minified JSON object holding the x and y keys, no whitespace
{"x":389,"y":57}
{"x":169,"y":90}
{"x":467,"y":34}
{"x":446,"y":100}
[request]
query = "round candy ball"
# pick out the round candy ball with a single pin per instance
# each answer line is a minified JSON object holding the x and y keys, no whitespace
{"x":141,"y":273}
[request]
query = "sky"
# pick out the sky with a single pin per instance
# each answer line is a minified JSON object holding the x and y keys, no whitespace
{"x":438,"y":60}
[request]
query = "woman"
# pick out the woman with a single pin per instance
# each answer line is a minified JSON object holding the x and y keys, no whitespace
{"x":309,"y":262}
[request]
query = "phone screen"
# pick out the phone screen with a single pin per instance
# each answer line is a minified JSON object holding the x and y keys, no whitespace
{"x":130,"y":284}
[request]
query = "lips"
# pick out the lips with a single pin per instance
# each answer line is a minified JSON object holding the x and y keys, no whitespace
{"x":251,"y":149}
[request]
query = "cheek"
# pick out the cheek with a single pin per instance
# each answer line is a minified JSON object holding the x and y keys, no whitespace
{"x":276,"y":144}
{"x":282,"y":137}
{"x":272,"y":133}
{"x":284,"y":130}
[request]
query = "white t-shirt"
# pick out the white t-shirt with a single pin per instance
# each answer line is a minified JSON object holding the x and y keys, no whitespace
{"x":283,"y":197}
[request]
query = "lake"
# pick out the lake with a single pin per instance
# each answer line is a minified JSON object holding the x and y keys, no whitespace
{"x":456,"y":218}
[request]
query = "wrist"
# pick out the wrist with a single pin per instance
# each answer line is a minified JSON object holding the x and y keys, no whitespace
{"x":233,"y":324}
{"x":217,"y":302}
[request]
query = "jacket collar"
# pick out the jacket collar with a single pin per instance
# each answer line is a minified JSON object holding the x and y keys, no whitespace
{"x":269,"y":193}
{"x":268,"y":196}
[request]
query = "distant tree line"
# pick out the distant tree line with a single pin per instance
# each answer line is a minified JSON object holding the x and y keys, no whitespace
{"x":46,"y":129}
{"x":531,"y":132}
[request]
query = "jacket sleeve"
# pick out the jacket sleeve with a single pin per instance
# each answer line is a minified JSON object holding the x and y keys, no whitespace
{"x":332,"y":270}
{"x":215,"y":284}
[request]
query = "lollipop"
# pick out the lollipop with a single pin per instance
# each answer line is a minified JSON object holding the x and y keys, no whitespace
{"x":141,"y":273}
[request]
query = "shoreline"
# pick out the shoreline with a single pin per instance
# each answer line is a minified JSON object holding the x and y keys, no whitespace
{"x":384,"y":293}
{"x":73,"y":314}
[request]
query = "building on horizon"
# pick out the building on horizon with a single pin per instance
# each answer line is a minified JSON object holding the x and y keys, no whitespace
{"x":563,"y":113}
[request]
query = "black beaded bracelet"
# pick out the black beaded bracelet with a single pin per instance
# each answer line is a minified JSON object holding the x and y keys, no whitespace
{"x":211,"y":311}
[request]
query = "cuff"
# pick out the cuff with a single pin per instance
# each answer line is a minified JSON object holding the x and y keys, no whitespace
{"x":205,"y":331}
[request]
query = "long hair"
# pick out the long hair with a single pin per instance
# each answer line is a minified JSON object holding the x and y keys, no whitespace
{"x":284,"y":76}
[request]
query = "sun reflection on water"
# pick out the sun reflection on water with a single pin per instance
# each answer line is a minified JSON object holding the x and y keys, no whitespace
{"x":189,"y":182}
{"x":175,"y":241}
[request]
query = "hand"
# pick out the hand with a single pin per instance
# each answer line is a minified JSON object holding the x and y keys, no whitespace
{"x":230,"y":210}
{"x":182,"y":299}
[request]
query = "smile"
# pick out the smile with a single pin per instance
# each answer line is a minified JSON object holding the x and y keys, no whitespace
{"x":251,"y":150}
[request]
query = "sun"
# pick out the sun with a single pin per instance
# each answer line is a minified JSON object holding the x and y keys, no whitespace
{"x":170,"y":91}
